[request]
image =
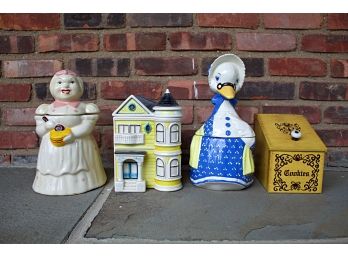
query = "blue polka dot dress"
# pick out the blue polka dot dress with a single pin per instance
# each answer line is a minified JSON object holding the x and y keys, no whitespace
{"x":220,"y":158}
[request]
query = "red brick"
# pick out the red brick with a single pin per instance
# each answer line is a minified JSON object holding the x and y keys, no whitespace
{"x":30,"y":21}
{"x":107,"y":139}
{"x":82,"y":20}
{"x":19,"y":117}
{"x":181,"y":89}
{"x":120,"y":90}
{"x":312,"y":113}
{"x":15,"y":92}
{"x":305,"y":67}
{"x":266,"y":90}
{"x":339,"y":68}
{"x":107,"y":158}
{"x":248,"y":21}
{"x":155,"y":41}
{"x":116,"y":20}
{"x":101,"y":67}
{"x":332,"y":137}
{"x":323,"y":91}
{"x":337,"y":21}
{"x":160,"y":20}
{"x":189,"y":89}
{"x":105,"y":116}
{"x":78,"y":42}
{"x":336,"y":114}
{"x":18,"y":139}
{"x":12,"y":44}
{"x":254,"y":67}
{"x":247,"y":113}
{"x":203,"y":112}
{"x":200,"y":41}
{"x":292,"y":21}
{"x":325,"y":43}
{"x":338,"y":156}
{"x":31,"y":68}
{"x":187,"y":114}
{"x":5,"y":159}
{"x":202,"y":90}
{"x":265,"y":42}
{"x":165,"y":66}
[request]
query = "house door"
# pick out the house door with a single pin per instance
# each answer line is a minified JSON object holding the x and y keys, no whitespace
{"x":130,"y":170}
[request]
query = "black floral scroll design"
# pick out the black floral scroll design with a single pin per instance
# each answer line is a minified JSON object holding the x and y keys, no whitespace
{"x":312,"y":161}
{"x":280,"y":161}
{"x":286,"y":128}
{"x":295,"y":185}
{"x":283,"y":159}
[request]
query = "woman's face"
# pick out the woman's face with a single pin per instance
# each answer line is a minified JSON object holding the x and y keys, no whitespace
{"x":66,"y":88}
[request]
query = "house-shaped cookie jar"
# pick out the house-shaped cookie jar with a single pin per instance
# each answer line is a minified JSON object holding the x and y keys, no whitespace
{"x":147,"y":140}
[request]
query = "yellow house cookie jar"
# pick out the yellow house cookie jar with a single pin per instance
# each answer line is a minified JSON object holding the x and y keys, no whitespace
{"x":147,"y":140}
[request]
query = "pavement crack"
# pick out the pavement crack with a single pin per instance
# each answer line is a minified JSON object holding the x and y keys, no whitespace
{"x":128,"y":217}
{"x":252,"y":230}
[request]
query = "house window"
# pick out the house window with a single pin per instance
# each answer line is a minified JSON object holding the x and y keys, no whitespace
{"x":130,"y":170}
{"x":174,"y":168}
{"x":160,"y":133}
{"x":174,"y":133}
{"x":160,"y":167}
{"x":128,"y":129}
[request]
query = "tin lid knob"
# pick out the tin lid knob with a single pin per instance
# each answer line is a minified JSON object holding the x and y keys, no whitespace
{"x":296,"y":135}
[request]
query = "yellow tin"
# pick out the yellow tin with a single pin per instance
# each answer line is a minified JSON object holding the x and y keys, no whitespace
{"x":57,"y":136}
{"x":286,"y":165}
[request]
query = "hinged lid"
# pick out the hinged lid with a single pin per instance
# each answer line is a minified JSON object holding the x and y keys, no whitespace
{"x":277,"y":129}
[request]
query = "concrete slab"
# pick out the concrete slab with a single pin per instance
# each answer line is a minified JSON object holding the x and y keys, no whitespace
{"x":28,"y":217}
{"x":199,"y":215}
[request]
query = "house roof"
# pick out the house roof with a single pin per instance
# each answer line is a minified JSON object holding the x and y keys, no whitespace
{"x":147,"y":102}
{"x":148,"y":105}
{"x":138,"y":100}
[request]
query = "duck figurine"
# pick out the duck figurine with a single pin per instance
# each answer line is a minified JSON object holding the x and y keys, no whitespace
{"x":220,"y":153}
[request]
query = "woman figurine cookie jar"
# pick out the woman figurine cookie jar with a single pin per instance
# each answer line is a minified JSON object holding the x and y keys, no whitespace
{"x":220,"y":155}
{"x":69,"y":161}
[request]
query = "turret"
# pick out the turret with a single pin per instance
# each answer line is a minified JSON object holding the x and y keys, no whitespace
{"x":167,"y":143}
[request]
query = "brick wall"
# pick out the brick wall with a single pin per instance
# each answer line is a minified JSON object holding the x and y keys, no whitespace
{"x":296,"y":63}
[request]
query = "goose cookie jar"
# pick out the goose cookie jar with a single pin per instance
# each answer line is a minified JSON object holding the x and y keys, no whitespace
{"x":220,"y":155}
{"x":69,"y":161}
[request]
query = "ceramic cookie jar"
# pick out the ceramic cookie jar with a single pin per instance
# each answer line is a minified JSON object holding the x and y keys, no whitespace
{"x":69,"y":161}
{"x":220,"y":155}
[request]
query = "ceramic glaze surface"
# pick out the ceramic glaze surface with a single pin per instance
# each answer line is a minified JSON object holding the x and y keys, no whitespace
{"x":147,"y":139}
{"x":75,"y":166}
{"x":220,"y":156}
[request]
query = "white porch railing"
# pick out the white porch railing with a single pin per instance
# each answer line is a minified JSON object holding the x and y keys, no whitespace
{"x":129,"y":139}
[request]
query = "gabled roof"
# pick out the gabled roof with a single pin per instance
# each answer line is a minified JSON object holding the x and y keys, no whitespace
{"x":145,"y":104}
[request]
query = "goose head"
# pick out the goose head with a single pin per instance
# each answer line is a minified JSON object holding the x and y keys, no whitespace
{"x":226,"y":75}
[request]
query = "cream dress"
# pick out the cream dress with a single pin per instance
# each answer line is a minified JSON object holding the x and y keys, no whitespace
{"x":75,"y":167}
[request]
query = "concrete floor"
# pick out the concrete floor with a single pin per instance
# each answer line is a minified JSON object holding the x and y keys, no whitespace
{"x":189,"y":215}
{"x":199,"y":215}
{"x":28,"y":217}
